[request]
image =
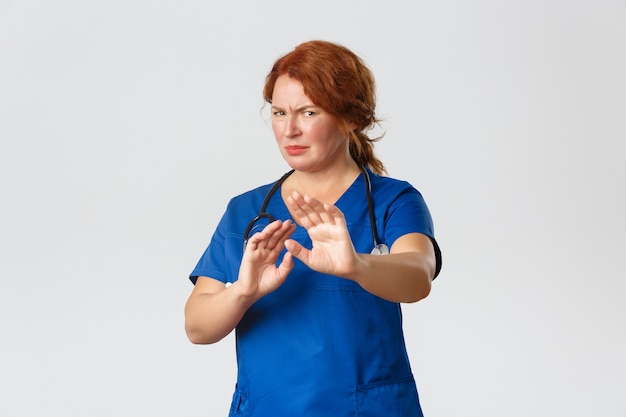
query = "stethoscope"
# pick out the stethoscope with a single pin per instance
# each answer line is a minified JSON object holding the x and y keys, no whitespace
{"x":379,"y":248}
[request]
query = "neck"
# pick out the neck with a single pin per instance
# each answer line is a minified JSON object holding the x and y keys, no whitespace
{"x":326,"y":186}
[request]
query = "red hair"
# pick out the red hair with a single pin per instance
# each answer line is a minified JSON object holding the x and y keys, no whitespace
{"x":337,"y":80}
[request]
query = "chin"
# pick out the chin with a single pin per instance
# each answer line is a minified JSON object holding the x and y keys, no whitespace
{"x":304,"y":167}
{"x":296,"y":164}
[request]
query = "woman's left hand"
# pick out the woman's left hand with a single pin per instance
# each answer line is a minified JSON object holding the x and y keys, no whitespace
{"x":332,"y":252}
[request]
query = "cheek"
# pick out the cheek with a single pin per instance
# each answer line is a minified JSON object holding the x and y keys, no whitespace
{"x":276,"y":129}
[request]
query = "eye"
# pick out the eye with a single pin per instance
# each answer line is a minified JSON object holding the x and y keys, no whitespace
{"x":278,"y":113}
{"x":309,"y":113}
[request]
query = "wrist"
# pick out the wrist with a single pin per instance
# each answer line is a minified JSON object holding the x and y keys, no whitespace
{"x":357,"y":271}
{"x":241,"y":295}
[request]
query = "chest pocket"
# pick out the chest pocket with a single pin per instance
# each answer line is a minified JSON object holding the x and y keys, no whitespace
{"x":331,"y":283}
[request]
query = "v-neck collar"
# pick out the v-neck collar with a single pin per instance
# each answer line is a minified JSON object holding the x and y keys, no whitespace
{"x":343,"y":202}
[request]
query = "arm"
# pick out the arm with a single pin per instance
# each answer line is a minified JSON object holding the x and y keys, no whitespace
{"x":213,"y":310}
{"x":404,"y":275}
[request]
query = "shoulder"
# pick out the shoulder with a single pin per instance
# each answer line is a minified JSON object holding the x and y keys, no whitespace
{"x":389,"y":181}
{"x":242,"y":207}
{"x":400,"y":200}
{"x":260,"y":193}
{"x":390,"y":188}
{"x":250,"y":194}
{"x":250,"y":197}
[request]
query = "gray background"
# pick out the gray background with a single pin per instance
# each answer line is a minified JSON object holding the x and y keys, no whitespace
{"x":126,"y":126}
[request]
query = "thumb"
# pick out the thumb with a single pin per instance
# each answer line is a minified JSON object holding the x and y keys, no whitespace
{"x":285,"y":266}
{"x":296,"y":249}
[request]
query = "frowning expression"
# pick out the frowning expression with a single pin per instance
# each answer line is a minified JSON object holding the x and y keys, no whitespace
{"x":309,"y":138}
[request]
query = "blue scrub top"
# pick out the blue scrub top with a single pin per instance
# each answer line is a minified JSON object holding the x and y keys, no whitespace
{"x":321,"y":345}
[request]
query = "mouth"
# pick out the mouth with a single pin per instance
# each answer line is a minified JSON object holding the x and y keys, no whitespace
{"x":295,"y":150}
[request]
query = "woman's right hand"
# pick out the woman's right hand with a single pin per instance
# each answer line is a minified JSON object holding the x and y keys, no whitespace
{"x":258,"y":273}
{"x":213,"y":310}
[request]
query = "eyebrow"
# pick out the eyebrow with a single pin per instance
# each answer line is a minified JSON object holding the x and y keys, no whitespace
{"x":297,"y":109}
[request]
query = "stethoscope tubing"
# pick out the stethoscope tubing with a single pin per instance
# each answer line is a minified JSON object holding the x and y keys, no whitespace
{"x":379,"y":248}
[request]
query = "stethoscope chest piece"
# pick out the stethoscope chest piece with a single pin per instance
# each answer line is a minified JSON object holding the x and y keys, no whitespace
{"x":380,"y":249}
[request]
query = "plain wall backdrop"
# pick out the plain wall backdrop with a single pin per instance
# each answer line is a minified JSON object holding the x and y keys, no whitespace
{"x":126,"y":126}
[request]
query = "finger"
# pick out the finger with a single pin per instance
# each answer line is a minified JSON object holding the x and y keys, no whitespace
{"x":329,"y":214}
{"x":317,"y":211}
{"x":277,"y":239}
{"x":285,"y":267}
{"x":272,"y":233}
{"x":336,"y":214}
{"x":259,"y":240}
{"x":306,"y":208}
{"x":296,"y":203}
{"x":268,"y":229}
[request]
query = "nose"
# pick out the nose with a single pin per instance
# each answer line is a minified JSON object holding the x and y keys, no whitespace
{"x":291,"y":127}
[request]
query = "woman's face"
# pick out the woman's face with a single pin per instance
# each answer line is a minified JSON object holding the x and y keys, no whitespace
{"x":308,"y":137}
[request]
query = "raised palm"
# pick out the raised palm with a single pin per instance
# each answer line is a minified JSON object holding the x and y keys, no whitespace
{"x":332,"y":252}
{"x":258,"y":273}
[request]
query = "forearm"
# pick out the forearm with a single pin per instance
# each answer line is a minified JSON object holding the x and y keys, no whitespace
{"x":209,"y":317}
{"x":213,"y":310}
{"x":399,"y":277}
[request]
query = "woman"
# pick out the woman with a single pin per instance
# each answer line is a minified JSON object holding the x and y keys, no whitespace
{"x":315,"y":307}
